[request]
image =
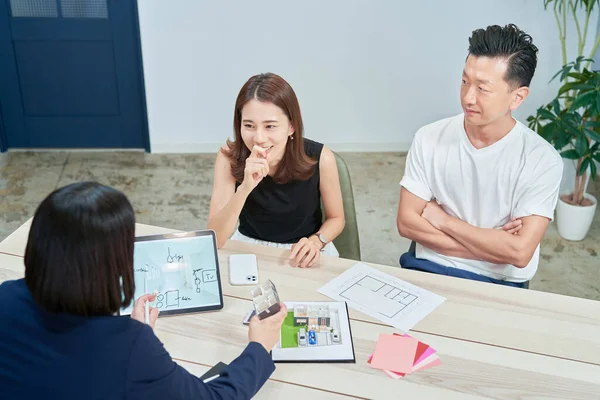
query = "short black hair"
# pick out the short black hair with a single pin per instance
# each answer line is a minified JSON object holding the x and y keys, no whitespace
{"x":507,"y":42}
{"x":79,"y":255}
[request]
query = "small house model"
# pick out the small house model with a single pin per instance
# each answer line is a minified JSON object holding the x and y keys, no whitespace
{"x":300,"y":315}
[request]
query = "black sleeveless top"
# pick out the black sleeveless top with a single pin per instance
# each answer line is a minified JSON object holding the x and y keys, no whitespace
{"x":284,"y":213}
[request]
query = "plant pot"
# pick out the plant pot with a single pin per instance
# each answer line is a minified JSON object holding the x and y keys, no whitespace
{"x":573,"y":222}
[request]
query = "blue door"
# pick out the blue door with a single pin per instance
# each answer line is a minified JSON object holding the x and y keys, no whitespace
{"x":71,"y":75}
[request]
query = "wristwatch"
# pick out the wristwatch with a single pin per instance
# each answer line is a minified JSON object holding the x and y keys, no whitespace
{"x":322,"y":239}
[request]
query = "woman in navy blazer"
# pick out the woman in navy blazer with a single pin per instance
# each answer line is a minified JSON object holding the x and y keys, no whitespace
{"x":60,"y":336}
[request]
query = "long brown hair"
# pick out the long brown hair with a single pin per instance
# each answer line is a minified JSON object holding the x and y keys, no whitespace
{"x":271,"y":88}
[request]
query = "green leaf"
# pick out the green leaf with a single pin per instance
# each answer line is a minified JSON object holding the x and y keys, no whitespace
{"x":583,"y":87}
{"x":595,"y":147}
{"x":589,"y":4}
{"x":547,"y":131}
{"x":584,"y":166}
{"x":565,"y":73}
{"x":596,"y":109}
{"x":561,"y":140}
{"x":572,"y":118}
{"x":566,"y":87}
{"x":597,"y":157}
{"x":577,"y":75}
{"x":569,"y":154}
{"x":593,"y":135}
{"x":556,"y":106}
{"x":556,"y":74}
{"x":581,"y":145}
{"x":585,"y":100}
{"x":593,"y":170}
{"x":572,"y":129}
{"x":545,"y":114}
{"x":578,"y":61}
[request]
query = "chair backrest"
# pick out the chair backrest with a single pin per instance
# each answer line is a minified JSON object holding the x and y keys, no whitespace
{"x":347,"y":243}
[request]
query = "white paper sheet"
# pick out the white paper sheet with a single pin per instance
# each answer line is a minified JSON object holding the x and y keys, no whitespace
{"x":382,"y":296}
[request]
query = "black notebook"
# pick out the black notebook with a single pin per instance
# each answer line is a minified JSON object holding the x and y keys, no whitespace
{"x":213,"y":373}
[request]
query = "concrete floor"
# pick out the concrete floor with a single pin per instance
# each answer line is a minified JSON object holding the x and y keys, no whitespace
{"x":174,"y":191}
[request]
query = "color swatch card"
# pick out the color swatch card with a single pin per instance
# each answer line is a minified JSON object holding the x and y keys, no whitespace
{"x":398,"y":355}
{"x":394,"y":353}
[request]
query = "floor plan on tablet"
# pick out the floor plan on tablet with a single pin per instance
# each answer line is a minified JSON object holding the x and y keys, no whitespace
{"x":382,"y":296}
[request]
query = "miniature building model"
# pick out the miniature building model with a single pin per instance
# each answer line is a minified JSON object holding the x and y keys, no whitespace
{"x":323,"y":316}
{"x":300,"y":315}
{"x":265,"y":299}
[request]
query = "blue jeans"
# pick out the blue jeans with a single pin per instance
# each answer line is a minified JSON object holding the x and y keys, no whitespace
{"x":410,"y":261}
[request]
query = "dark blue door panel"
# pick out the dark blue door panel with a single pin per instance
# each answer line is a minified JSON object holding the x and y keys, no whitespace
{"x":75,"y":132}
{"x":71,"y":75}
{"x":23,"y":28}
{"x":67,"y":78}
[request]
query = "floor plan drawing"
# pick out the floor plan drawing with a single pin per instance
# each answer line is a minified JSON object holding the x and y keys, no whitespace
{"x":382,"y":296}
{"x":369,"y":288}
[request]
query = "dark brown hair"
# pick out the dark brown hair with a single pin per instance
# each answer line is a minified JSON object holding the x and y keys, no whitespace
{"x":271,"y":88}
{"x":79,"y":256}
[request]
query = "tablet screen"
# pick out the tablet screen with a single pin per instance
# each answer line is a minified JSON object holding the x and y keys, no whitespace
{"x":181,"y":268}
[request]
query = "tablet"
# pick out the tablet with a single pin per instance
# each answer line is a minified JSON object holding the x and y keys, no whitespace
{"x":181,"y":268}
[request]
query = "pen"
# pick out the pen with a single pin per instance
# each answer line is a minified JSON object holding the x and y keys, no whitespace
{"x":147,"y":304}
{"x":211,"y":378}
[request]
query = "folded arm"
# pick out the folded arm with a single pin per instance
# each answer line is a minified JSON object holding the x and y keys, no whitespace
{"x":492,"y":245}
{"x":412,"y":225}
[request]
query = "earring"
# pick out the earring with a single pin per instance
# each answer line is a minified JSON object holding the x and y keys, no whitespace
{"x":292,"y":137}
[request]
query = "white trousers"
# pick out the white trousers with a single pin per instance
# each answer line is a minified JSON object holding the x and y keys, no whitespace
{"x":328,"y":250}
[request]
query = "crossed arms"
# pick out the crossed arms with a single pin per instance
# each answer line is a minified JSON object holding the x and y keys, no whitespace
{"x":428,"y":224}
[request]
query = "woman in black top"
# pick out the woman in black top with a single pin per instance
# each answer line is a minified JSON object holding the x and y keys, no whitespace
{"x":273,"y":180}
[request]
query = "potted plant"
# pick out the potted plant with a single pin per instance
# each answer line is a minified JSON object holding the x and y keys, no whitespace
{"x":571,"y":123}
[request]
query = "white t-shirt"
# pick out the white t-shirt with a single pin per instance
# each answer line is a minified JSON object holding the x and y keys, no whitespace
{"x":517,"y":176}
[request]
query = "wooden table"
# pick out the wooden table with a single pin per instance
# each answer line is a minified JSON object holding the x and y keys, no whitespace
{"x":494,"y":341}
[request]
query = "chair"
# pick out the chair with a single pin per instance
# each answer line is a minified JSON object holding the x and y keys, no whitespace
{"x":347,"y":243}
{"x":413,"y":247}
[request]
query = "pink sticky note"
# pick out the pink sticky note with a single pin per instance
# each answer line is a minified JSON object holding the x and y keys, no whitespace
{"x":422,"y":349}
{"x":394,"y":353}
{"x":432,"y":363}
{"x":426,"y":354}
{"x":393,"y":374}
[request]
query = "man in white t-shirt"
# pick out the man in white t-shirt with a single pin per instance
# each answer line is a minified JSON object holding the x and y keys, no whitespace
{"x":480,"y":188}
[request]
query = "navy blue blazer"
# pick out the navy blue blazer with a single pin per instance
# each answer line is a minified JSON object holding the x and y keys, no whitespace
{"x":46,"y":356}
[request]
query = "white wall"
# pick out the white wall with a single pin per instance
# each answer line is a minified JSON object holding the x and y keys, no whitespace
{"x":367,"y":73}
